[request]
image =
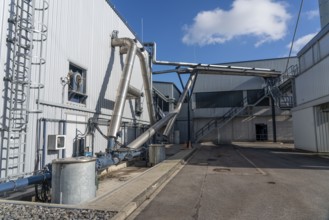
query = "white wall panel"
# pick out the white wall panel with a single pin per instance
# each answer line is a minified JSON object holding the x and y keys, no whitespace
{"x":312,"y":84}
{"x":322,"y":129}
{"x":304,"y":129}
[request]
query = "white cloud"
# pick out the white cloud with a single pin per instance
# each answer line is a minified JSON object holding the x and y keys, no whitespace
{"x":300,"y":43}
{"x":312,"y":14}
{"x":264,"y":19}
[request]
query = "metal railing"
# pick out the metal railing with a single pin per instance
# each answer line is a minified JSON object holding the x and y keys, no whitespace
{"x":228,"y":116}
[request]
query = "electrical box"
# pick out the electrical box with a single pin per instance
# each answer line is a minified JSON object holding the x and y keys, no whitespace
{"x":56,"y":142}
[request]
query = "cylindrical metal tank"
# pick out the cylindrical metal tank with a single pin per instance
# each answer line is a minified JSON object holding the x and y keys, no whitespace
{"x":177,"y":137}
{"x":157,"y":153}
{"x":73,"y":180}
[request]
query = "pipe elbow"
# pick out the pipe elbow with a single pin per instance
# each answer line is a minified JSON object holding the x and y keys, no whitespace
{"x":119,"y":42}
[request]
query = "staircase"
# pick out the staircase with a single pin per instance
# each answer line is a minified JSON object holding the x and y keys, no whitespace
{"x":281,"y":89}
{"x":227,"y":117}
{"x":278,"y":88}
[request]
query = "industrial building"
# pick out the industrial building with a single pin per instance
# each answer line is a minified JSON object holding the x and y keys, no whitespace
{"x":311,"y":114}
{"x":75,"y":93}
{"x":65,"y":85}
{"x":246,"y":103}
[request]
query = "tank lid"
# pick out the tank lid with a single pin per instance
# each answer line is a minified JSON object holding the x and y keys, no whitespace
{"x":74,"y":160}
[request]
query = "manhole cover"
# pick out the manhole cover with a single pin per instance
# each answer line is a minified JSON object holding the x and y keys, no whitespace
{"x":222,"y":169}
{"x":271,"y":182}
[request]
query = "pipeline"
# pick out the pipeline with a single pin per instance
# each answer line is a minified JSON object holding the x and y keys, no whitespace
{"x":158,"y":125}
{"x":122,"y":87}
{"x":24,"y":182}
{"x":105,"y":160}
{"x":211,"y":68}
{"x":146,"y":74}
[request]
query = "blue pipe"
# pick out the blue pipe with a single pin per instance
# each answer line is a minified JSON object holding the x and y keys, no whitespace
{"x":44,"y":143}
{"x":21,"y":183}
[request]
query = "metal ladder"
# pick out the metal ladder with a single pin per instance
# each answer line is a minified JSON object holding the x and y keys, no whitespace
{"x":25,"y":47}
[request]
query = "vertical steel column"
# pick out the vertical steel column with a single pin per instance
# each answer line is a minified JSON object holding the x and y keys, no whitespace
{"x":273,"y":119}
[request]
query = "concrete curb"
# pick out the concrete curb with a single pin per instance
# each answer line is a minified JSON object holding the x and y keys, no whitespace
{"x":133,"y":205}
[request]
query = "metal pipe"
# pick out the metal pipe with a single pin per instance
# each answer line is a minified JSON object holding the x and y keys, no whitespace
{"x":44,"y":150}
{"x":146,"y":74}
{"x":123,"y":85}
{"x":21,"y":183}
{"x":229,"y":69}
{"x":158,"y":125}
{"x":172,"y":121}
{"x":134,"y":92}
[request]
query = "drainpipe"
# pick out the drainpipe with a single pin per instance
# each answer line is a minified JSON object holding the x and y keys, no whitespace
{"x":122,"y":87}
{"x":158,"y":125}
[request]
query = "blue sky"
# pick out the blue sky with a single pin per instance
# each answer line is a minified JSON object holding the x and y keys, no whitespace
{"x":219,"y":31}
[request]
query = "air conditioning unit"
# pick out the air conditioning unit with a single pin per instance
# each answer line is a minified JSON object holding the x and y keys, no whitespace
{"x":56,"y":142}
{"x":76,"y":81}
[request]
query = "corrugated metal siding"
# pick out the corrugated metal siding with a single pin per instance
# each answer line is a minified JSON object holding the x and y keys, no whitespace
{"x":304,"y":129}
{"x":312,"y":84}
{"x":165,"y":88}
{"x":4,"y":13}
{"x":78,"y":32}
{"x":322,"y":129}
{"x":209,"y":83}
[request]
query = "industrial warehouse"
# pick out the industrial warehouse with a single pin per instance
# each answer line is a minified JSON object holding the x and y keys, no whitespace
{"x":75,"y":110}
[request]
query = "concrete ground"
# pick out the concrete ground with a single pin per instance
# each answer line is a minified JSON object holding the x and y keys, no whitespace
{"x":245,"y":181}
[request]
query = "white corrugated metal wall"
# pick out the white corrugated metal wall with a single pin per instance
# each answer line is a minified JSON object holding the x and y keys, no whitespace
{"x":79,"y":32}
{"x":310,"y":121}
{"x":240,"y":129}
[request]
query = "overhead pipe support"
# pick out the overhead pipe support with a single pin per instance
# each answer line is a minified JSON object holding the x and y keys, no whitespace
{"x":200,"y":66}
{"x":158,"y":125}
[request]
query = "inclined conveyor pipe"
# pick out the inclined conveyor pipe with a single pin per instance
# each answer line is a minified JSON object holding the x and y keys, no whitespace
{"x":158,"y":125}
{"x":146,"y":74}
{"x":122,"y":87}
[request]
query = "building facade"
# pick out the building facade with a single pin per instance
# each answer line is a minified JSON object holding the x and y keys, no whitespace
{"x":238,"y":108}
{"x":60,"y":78}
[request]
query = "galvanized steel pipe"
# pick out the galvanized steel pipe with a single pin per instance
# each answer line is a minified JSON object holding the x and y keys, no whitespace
{"x":123,"y":85}
{"x":158,"y":125}
{"x":146,"y":73}
{"x":179,"y":106}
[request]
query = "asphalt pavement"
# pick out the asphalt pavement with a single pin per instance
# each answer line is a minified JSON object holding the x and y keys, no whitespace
{"x":254,"y":181}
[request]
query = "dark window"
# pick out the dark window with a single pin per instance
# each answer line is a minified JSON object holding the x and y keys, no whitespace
{"x":253,"y":96}
{"x":219,"y":99}
{"x":77,"y":85}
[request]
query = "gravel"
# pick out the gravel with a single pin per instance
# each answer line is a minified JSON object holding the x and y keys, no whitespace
{"x":15,"y":211}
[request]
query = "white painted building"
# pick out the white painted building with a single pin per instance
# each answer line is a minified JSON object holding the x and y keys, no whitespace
{"x":72,"y":40}
{"x":214,"y":97}
{"x":311,"y":116}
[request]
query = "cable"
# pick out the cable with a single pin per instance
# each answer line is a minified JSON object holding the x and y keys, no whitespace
{"x":293,"y":38}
